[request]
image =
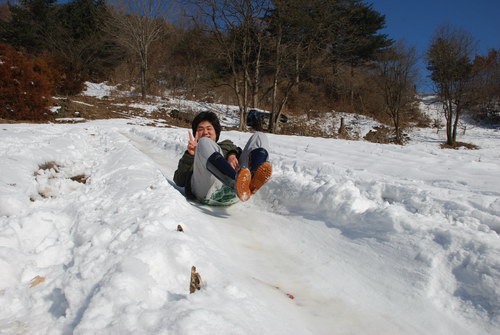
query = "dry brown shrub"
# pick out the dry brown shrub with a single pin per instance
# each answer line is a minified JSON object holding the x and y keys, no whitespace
{"x":49,"y":165}
{"x":309,"y":96}
{"x":379,"y":135}
{"x":343,"y":106}
{"x":72,"y":80}
{"x":24,"y":90}
{"x":459,"y":145}
{"x":46,"y":66}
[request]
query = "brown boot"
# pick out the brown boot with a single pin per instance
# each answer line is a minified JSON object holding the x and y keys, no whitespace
{"x":243,"y":184}
{"x":261,"y":176}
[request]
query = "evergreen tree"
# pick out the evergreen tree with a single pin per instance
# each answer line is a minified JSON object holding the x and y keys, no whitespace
{"x":316,"y":37}
{"x":346,"y":29}
{"x":73,"y":33}
{"x":357,"y":39}
{"x":82,"y":39}
{"x":30,"y":23}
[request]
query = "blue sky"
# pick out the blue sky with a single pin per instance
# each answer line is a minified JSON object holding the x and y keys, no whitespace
{"x":416,"y":21}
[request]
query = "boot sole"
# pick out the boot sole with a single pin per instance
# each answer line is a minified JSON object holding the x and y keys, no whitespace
{"x":261,"y":176}
{"x":243,"y":184}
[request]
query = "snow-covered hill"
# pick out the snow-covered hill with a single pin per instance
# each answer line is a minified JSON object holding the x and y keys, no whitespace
{"x":349,"y":237}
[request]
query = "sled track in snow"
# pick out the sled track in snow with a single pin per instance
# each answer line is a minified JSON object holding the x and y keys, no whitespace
{"x":360,"y":250}
{"x":364,"y":206}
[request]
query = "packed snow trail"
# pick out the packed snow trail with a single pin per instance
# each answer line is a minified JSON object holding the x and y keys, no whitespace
{"x":264,"y":246}
{"x":363,"y":248}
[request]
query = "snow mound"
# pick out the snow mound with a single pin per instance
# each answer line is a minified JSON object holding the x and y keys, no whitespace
{"x":98,"y":90}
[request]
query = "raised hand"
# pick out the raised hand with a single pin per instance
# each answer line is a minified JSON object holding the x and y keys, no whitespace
{"x":192,"y":143}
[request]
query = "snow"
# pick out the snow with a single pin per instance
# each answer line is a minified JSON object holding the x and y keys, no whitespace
{"x":83,"y":103}
{"x":147,"y":108}
{"x":98,"y":90}
{"x":366,"y":238}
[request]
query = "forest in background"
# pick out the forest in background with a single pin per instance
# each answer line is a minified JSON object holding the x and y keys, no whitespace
{"x":286,"y":56}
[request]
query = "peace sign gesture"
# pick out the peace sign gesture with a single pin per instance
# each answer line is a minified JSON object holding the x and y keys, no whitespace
{"x":192,"y":143}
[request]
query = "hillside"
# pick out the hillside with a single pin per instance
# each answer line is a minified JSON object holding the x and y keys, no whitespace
{"x":349,"y":237}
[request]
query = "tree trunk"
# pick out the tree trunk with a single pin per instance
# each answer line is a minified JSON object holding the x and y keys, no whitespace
{"x":144,"y":69}
{"x":297,"y":67}
{"x":455,"y":123}
{"x":256,"y":85}
{"x":449,"y":115}
{"x":245,"y":100}
{"x":397,"y":128}
{"x":342,"y":126}
{"x":276,"y":116}
{"x":241,"y":105}
{"x":277,"y":62}
{"x":274,"y":100}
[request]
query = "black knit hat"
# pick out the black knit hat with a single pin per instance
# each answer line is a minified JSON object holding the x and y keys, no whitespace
{"x":210,"y":117}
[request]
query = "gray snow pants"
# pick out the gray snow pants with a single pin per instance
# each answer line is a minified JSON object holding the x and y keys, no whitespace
{"x":202,"y":180}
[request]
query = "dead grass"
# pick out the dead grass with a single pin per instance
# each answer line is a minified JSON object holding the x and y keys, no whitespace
{"x":81,"y":178}
{"x":92,"y":108}
{"x":51,"y":165}
{"x":459,"y":145}
{"x":37,"y":281}
{"x":47,"y":166}
{"x":195,"y":283}
{"x":381,"y":135}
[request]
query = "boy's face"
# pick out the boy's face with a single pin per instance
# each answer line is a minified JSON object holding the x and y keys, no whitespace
{"x":205,"y":129}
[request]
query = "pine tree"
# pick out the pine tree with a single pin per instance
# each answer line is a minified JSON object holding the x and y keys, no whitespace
{"x":30,"y":23}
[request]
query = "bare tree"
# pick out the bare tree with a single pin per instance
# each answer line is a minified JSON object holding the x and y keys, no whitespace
{"x":396,"y":80}
{"x":137,"y":24}
{"x":487,"y":86}
{"x":449,"y":60}
{"x":285,"y":77}
{"x":291,"y":50}
{"x":235,"y":27}
{"x":187,"y":59}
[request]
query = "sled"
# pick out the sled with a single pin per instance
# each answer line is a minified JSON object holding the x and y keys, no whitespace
{"x":224,"y":196}
{"x":220,"y":195}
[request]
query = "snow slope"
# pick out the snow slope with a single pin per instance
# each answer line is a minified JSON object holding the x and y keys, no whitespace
{"x":366,"y":238}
